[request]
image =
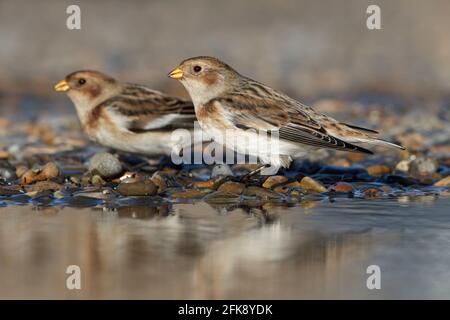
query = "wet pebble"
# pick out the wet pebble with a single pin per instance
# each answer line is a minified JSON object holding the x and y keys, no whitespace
{"x":372,"y":193}
{"x":311,"y":185}
{"x":342,"y":187}
{"x":4,"y":155}
{"x":262,"y":193}
{"x":141,"y":188}
{"x":208,"y":184}
{"x":49,"y":171}
{"x":273,"y":181}
{"x":7,"y":174}
{"x":105,"y":164}
{"x":285,"y":188}
{"x":377,"y":170}
{"x":423,"y":167}
{"x":232,"y":187}
{"x":443,"y":182}
{"x":97,"y":180}
{"x":43,"y":186}
{"x":403,"y":166}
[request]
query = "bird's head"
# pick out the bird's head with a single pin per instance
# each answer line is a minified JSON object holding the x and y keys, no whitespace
{"x":88,"y":88}
{"x":205,"y":77}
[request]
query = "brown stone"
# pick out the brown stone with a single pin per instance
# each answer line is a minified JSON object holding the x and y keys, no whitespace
{"x":311,"y":185}
{"x":140,"y":188}
{"x":372,"y":193}
{"x":273,"y":181}
{"x":377,"y":170}
{"x":444,"y":182}
{"x":43,"y":185}
{"x":261,"y":193}
{"x":232,"y":187}
{"x":49,"y":171}
{"x":342,"y":187}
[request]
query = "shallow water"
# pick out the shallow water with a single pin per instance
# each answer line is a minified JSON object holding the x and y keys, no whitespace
{"x":194,"y":251}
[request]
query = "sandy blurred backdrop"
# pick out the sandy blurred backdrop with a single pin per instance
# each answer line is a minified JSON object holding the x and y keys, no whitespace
{"x":306,"y":48}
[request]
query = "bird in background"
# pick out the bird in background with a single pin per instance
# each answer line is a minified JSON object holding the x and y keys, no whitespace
{"x":126,"y":117}
{"x":225,"y":100}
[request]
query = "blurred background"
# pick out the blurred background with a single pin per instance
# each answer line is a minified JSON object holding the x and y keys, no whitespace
{"x":304,"y":47}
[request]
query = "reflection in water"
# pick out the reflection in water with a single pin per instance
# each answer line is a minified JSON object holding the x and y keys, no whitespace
{"x":200,"y":251}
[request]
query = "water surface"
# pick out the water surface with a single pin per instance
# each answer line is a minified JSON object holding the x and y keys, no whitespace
{"x":194,"y":251}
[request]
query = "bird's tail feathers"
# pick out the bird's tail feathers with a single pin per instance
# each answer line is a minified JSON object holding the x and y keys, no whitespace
{"x":379,"y":142}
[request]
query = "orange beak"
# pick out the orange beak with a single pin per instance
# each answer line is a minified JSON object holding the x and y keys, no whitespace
{"x":176,"y":73}
{"x":62,"y":86}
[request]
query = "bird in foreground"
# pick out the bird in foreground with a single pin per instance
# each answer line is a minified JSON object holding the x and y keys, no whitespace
{"x":225,"y":100}
{"x":126,"y":117}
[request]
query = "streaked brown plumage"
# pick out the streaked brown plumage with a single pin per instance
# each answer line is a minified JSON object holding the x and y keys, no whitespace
{"x":224,"y":99}
{"x":127,"y":117}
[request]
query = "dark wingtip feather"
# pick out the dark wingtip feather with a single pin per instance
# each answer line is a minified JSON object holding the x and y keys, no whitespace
{"x":361,"y":129}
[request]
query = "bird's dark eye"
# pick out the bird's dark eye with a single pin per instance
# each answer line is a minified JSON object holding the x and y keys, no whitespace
{"x":197,"y":69}
{"x":81,"y":81}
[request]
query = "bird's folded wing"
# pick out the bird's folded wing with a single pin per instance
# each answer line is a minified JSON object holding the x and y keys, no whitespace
{"x":293,"y":123}
{"x":150,"y":112}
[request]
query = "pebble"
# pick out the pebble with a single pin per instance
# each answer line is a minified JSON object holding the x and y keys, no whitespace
{"x":285,"y":188}
{"x":403,"y":166}
{"x":443,"y":182}
{"x":372,"y":193}
{"x":342,"y":187}
{"x":273,"y":181}
{"x":49,"y":171}
{"x":423,"y":167}
{"x":7,"y":174}
{"x":4,"y":155}
{"x":221,"y":170}
{"x":208,"y":184}
{"x":311,"y":185}
{"x":377,"y":170}
{"x":97,"y":180}
{"x":43,"y":186}
{"x":232,"y":187}
{"x":262,"y":193}
{"x":140,"y":188}
{"x":105,"y":164}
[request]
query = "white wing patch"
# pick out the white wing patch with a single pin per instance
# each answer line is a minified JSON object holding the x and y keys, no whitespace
{"x":161,"y":122}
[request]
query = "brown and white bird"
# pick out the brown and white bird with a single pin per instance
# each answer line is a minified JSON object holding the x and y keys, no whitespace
{"x":225,"y":100}
{"x":126,"y":117}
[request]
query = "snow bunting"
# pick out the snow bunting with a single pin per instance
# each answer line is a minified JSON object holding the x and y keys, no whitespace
{"x":225,"y":100}
{"x":126,"y":117}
